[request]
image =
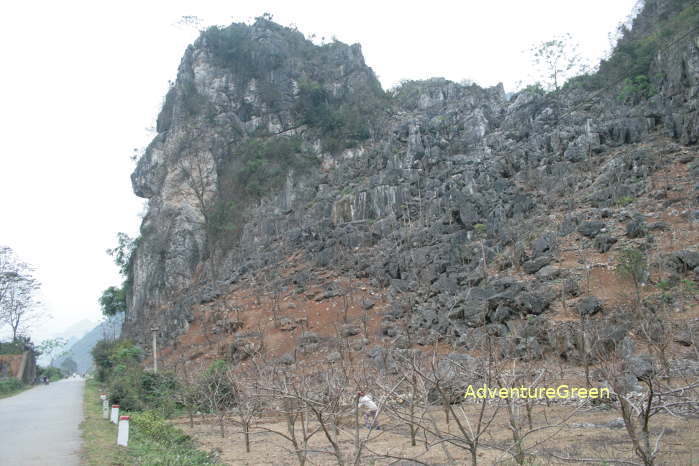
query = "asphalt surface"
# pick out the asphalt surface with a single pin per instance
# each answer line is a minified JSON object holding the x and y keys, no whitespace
{"x":42,"y":425}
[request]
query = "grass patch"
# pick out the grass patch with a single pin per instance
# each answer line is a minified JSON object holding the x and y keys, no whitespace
{"x":99,"y":435}
{"x":152,"y":440}
{"x":11,"y":387}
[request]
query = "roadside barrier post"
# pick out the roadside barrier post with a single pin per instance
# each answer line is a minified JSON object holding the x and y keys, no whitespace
{"x":123,"y":431}
{"x":115,"y":414}
{"x":105,"y":407}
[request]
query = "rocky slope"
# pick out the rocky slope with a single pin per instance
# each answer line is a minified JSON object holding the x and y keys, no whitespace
{"x":454,"y":205}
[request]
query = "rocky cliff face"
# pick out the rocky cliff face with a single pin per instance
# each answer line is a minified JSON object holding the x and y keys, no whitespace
{"x":269,"y":146}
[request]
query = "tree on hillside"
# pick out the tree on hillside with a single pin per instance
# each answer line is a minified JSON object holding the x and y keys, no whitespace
{"x":199,"y":180}
{"x":557,"y":60}
{"x":632,"y":264}
{"x":113,"y":301}
{"x":123,"y":252}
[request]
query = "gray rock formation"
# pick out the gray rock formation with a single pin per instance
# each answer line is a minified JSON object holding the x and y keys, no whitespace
{"x":269,"y":145}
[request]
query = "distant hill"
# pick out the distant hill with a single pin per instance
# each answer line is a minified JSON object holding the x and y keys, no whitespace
{"x":71,"y":335}
{"x":80,"y":350}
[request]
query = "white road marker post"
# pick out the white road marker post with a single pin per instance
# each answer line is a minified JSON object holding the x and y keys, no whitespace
{"x":123,"y":431}
{"x":154,"y":330}
{"x":105,"y":406}
{"x":115,"y":414}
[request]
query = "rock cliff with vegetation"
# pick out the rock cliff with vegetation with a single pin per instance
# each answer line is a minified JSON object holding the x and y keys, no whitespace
{"x":282,"y":168}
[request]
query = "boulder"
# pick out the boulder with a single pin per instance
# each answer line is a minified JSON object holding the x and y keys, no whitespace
{"x":545,"y":244}
{"x":589,"y":305}
{"x":534,"y":265}
{"x":368,"y":304}
{"x":682,"y":261}
{"x":571,"y":288}
{"x":530,"y":303}
{"x":640,"y":367}
{"x":604,"y":242}
{"x":636,"y":228}
{"x":591,"y":229}
{"x":659,"y":226}
{"x":349,"y":330}
{"x":548,"y":273}
{"x":287,"y":325}
{"x":359,"y":344}
{"x":502,"y":314}
{"x":309,"y":338}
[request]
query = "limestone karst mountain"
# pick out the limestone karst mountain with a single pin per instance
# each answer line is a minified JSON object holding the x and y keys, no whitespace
{"x":283,"y":176}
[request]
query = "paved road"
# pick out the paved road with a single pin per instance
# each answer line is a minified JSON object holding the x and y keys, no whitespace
{"x":41,"y":426}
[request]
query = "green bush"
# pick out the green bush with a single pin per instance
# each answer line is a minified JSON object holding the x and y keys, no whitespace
{"x":156,"y":442}
{"x":341,"y":124}
{"x":158,"y":392}
{"x":115,"y":355}
{"x":664,"y":285}
{"x":153,"y":426}
{"x":636,"y":89}
{"x":10,"y":385}
{"x":624,"y":201}
{"x":119,"y":367}
{"x":53,"y":373}
{"x":535,"y":88}
{"x":12,"y":347}
{"x":587,"y":82}
{"x":135,"y":390}
{"x":124,"y":386}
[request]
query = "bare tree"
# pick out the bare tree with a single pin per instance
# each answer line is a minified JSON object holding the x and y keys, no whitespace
{"x":217,"y":392}
{"x":289,"y":392}
{"x":637,"y":409}
{"x":445,"y":376}
{"x":18,"y":288}
{"x":633,"y":265}
{"x":248,"y":401}
{"x":189,"y":392}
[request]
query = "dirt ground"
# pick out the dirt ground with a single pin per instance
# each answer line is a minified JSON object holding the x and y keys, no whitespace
{"x":584,"y":435}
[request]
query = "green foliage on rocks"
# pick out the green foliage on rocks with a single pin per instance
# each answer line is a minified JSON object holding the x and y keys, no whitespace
{"x":632,"y":58}
{"x":236,"y":47}
{"x":624,"y":201}
{"x":253,"y":169}
{"x":341,"y":124}
{"x":263,"y":163}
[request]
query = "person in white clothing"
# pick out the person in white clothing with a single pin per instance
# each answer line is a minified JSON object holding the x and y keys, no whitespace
{"x":370,"y":410}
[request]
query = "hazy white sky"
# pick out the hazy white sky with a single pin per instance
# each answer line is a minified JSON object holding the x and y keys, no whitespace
{"x":82,"y":82}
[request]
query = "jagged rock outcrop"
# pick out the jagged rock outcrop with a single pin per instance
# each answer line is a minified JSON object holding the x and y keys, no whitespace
{"x":269,"y":145}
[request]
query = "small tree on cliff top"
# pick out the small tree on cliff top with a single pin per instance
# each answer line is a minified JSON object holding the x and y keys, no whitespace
{"x":557,"y":60}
